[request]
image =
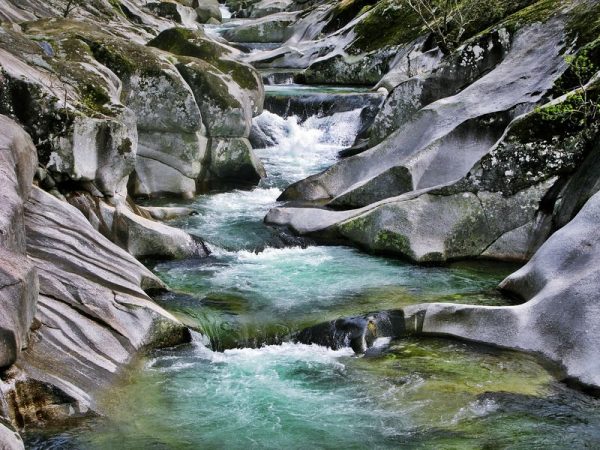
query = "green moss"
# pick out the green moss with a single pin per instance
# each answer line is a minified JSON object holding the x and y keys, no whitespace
{"x":184,"y":42}
{"x":583,"y":65}
{"x":353,"y":226}
{"x":125,"y":147}
{"x":181,"y":41}
{"x":584,"y":23}
{"x":539,"y":11}
{"x":388,"y":23}
{"x":390,"y":241}
{"x":94,"y":97}
{"x":345,"y":11}
{"x":116,"y":5}
{"x":392,"y":22}
{"x":112,"y":59}
{"x":202,"y":79}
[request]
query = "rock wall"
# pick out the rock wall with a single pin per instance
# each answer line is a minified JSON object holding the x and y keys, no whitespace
{"x":559,"y":317}
{"x":468,"y":155}
{"x":73,"y":309}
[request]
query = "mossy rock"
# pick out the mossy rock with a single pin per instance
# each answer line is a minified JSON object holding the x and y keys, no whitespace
{"x":551,"y":141}
{"x":345,"y":11}
{"x":223,"y":113}
{"x":195,"y":44}
{"x":387,"y":23}
{"x":120,"y":55}
{"x":390,"y":23}
{"x":167,"y":10}
{"x":233,"y":160}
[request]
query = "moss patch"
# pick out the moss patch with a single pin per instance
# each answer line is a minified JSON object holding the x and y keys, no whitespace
{"x":388,"y":23}
{"x":195,"y":44}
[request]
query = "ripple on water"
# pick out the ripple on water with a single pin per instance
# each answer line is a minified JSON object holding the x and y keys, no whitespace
{"x":428,"y":393}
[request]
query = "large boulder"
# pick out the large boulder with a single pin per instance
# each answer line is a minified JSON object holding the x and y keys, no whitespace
{"x":530,"y":183}
{"x":99,"y":151}
{"x":560,"y":316}
{"x":442,"y":141}
{"x":228,"y":93}
{"x":196,"y":44}
{"x":232,"y":160}
{"x":135,"y":229}
{"x":220,"y":99}
{"x":207,"y":10}
{"x":18,"y":277}
{"x":270,"y":29}
{"x":93,"y":315}
{"x":437,"y":227}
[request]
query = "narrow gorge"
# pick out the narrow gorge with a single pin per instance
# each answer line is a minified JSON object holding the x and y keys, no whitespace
{"x":299,"y":224}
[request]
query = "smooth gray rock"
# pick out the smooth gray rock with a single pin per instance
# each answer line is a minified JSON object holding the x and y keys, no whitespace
{"x":167,"y":212}
{"x":153,"y":178}
{"x":443,"y":140}
{"x":234,"y":160}
{"x":171,"y":133}
{"x":100,"y":151}
{"x":419,"y":79}
{"x":264,"y":8}
{"x":272,"y":28}
{"x":18,"y":277}
{"x":435,"y":228}
{"x":226,"y":109}
{"x":135,"y":230}
{"x":147,"y":238}
{"x":18,"y":300}
{"x":18,"y":161}
{"x":93,"y":313}
{"x":208,"y":9}
{"x":10,"y":440}
{"x":560,"y":316}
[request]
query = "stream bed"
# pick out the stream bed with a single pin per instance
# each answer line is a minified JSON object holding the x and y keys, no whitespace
{"x":242,"y":383}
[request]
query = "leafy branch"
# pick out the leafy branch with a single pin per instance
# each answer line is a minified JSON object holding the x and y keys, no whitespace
{"x":449,"y":20}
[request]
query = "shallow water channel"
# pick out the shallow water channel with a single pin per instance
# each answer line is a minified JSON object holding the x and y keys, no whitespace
{"x":244,"y":385}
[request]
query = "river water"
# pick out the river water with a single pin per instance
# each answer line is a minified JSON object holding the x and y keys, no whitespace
{"x":243,"y":384}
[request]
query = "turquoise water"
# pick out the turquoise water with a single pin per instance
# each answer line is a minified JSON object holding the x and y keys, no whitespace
{"x":290,"y":90}
{"x":252,"y":388}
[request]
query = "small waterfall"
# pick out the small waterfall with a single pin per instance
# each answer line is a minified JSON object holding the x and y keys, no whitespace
{"x":188,"y":16}
{"x":278,"y":78}
{"x":293,"y":149}
{"x":225,"y":12}
{"x":293,"y":135}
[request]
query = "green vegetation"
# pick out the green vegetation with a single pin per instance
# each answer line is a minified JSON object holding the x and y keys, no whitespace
{"x":194,"y":44}
{"x":579,"y":111}
{"x":94,"y":97}
{"x":70,"y":6}
{"x":449,"y":22}
{"x":389,"y":22}
{"x":345,"y":11}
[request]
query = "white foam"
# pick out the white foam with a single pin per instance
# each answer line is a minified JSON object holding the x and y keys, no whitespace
{"x":304,"y":148}
{"x":225,"y":12}
{"x":288,"y":351}
{"x":312,"y":256}
{"x":382,"y":342}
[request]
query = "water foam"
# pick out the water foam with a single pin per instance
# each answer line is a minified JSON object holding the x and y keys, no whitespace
{"x":295,"y":149}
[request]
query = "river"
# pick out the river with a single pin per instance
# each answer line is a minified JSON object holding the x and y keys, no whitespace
{"x":242,"y":383}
